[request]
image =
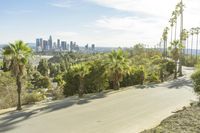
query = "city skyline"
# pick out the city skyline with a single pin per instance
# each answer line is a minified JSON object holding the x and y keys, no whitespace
{"x":101,"y":22}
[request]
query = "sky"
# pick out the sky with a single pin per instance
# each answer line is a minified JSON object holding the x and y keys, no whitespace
{"x":108,"y":23}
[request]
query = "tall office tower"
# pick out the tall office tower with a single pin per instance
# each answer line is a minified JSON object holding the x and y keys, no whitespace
{"x":58,"y":43}
{"x":71,"y":46}
{"x":45,"y":45}
{"x":54,"y":45}
{"x":93,"y":46}
{"x":50,"y":43}
{"x":63,"y":45}
{"x":37,"y":44}
{"x":86,"y":47}
{"x":67,"y":47}
{"x":41,"y":44}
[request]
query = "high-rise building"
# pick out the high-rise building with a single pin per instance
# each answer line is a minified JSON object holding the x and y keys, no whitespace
{"x":86,"y":47}
{"x":45,"y":45}
{"x":63,"y":45}
{"x":37,"y":44}
{"x":58,"y":43}
{"x":71,"y":46}
{"x":93,"y":46}
{"x":50,"y":43}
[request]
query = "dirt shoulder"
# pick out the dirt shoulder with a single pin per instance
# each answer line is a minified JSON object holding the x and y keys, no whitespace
{"x":184,"y":121}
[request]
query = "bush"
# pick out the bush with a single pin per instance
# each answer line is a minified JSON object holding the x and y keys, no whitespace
{"x":33,"y":97}
{"x":196,"y":81}
{"x":8,"y":91}
{"x":170,"y":66}
{"x":135,"y":77}
{"x":71,"y":84}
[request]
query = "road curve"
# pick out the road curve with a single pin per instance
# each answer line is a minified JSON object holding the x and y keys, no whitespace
{"x":128,"y":111}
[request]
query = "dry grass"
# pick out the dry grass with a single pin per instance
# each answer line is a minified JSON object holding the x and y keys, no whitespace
{"x":185,"y":121}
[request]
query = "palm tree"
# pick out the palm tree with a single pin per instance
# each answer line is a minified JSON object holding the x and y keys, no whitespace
{"x":197,"y":29}
{"x":171,"y":21}
{"x":175,"y":49}
{"x":18,"y":54}
{"x":164,"y":36}
{"x":117,"y":66}
{"x":180,"y":9}
{"x":192,"y":34}
{"x":187,"y":47}
{"x":174,"y":17}
{"x":81,"y":70}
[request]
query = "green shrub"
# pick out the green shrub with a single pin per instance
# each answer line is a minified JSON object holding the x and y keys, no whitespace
{"x":170,"y":66}
{"x":135,"y":77}
{"x":33,"y":97}
{"x":71,"y":84}
{"x":8,"y":91}
{"x":196,"y":81}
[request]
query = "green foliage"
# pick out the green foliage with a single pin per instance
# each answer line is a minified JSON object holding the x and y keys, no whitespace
{"x":170,"y":66}
{"x":33,"y":97}
{"x":196,"y":81}
{"x":136,"y":76}
{"x":97,"y":79}
{"x":40,"y":81}
{"x":8,"y":91}
{"x":17,"y":54}
{"x":117,"y":66}
{"x":71,"y":83}
{"x":43,"y":67}
{"x":54,"y":69}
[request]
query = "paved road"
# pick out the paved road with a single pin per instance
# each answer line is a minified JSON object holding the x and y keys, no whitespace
{"x":128,"y":111}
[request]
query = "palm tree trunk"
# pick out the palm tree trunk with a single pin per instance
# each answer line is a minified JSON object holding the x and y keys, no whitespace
{"x":181,"y":40}
{"x":171,"y":33}
{"x":81,"y":87}
{"x":187,"y":46}
{"x":175,"y":73}
{"x":175,"y":31}
{"x":19,"y":88}
{"x":191,"y":46}
{"x":197,"y":47}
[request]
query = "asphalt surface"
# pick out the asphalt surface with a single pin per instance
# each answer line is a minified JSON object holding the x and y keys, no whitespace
{"x":130,"y":110}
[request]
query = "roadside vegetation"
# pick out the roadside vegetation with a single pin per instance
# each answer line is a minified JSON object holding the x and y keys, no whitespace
{"x":69,"y":74}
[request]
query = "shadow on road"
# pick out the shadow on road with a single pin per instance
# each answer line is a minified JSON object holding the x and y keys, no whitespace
{"x":178,"y":83}
{"x":9,"y":121}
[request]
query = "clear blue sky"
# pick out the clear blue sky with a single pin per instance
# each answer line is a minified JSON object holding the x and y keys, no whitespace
{"x":103,"y":22}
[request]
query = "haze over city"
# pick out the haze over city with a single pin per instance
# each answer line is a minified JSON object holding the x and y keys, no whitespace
{"x":105,"y":23}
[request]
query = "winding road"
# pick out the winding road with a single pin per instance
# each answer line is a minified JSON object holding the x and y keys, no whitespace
{"x":129,"y":110}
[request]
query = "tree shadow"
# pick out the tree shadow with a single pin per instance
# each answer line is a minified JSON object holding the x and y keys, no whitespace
{"x":146,"y":86}
{"x":179,"y":83}
{"x":8,"y":121}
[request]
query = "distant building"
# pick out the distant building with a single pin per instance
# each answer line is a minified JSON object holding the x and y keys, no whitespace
{"x":45,"y":45}
{"x":50,"y":43}
{"x":86,"y":47}
{"x":58,"y":43}
{"x":63,"y":45}
{"x":39,"y":44}
{"x":93,"y":47}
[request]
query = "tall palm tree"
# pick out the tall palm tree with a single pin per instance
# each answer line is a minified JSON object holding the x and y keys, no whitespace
{"x":192,"y":41}
{"x":117,"y":66}
{"x":175,"y":49}
{"x":164,"y":36}
{"x":18,"y":54}
{"x":174,"y":17}
{"x":171,"y":21}
{"x":81,"y":70}
{"x":187,"y":47}
{"x":197,"y":30}
{"x":180,"y":8}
